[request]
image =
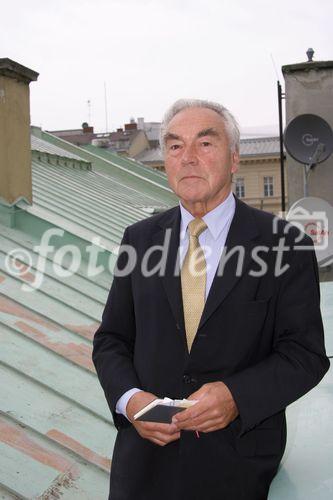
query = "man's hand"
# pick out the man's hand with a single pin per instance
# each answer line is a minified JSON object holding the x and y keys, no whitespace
{"x":214,"y":410}
{"x":160,"y":434}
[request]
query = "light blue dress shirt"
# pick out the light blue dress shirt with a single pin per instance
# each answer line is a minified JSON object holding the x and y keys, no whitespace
{"x":212,"y":240}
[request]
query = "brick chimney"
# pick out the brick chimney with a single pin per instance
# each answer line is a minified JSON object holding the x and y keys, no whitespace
{"x":87,"y":129}
{"x":15,"y":147}
{"x":130,"y":126}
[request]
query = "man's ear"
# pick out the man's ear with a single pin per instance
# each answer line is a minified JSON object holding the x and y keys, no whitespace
{"x":235,"y":161}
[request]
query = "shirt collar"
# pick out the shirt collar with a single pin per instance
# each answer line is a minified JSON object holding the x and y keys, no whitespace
{"x":216,"y":219}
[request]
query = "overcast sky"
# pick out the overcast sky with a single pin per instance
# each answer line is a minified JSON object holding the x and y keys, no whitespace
{"x":150,"y":53}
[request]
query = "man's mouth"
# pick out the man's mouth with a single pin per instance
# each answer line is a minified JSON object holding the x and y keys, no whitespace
{"x":191,"y":177}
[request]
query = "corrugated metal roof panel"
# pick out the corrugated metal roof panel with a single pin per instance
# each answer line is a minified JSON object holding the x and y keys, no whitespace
{"x":86,"y":200}
{"x":55,"y":426}
{"x":123,"y":170}
{"x":39,"y":144}
{"x":130,"y":164}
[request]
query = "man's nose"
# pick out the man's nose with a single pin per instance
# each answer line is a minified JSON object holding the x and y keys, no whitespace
{"x":189,"y":154}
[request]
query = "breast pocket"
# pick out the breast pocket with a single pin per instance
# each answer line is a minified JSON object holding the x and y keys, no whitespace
{"x":252,"y":314}
{"x":245,"y":324}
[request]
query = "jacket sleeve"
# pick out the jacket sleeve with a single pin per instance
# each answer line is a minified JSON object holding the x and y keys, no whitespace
{"x":113,"y":343}
{"x":298,"y":360}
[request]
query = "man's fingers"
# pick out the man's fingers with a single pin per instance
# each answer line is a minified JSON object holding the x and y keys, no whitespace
{"x":163,"y":438}
{"x":194,"y":412}
{"x":158,"y":433}
{"x":157,"y":441}
{"x":198,"y":394}
{"x":213,"y":424}
{"x":157,"y":427}
{"x":200,"y":424}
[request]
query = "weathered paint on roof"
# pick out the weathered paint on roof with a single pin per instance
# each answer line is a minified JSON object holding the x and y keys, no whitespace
{"x":56,"y":432}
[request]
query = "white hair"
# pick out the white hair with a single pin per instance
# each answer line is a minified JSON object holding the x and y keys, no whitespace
{"x":230,"y":122}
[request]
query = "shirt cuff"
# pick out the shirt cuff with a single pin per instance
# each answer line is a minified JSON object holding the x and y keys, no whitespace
{"x":123,"y":400}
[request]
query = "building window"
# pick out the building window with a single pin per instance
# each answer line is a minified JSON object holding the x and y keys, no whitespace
{"x":240,"y":187}
{"x":268,"y":186}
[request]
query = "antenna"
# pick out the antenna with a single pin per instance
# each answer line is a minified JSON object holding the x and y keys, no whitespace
{"x":309,"y":140}
{"x":274,"y":66}
{"x":89,"y":111}
{"x":106,"y":108}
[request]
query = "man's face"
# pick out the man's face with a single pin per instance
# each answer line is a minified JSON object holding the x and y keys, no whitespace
{"x":198,"y":161}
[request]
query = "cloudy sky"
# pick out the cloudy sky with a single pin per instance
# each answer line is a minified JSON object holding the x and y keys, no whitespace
{"x":149,"y":53}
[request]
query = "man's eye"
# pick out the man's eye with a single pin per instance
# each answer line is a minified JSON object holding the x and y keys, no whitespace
{"x":173,"y":147}
{"x":205,"y":143}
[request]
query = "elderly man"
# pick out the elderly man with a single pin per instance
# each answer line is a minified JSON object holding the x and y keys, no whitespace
{"x":230,"y":319}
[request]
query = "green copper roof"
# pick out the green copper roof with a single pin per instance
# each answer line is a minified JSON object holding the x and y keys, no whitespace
{"x":128,"y":172}
{"x":56,"y":431}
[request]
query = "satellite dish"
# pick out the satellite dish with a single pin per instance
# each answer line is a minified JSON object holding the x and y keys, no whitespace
{"x":309,"y":139}
{"x":314,"y":217}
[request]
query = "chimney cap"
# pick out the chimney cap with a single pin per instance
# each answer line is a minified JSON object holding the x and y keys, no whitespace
{"x":15,"y":70}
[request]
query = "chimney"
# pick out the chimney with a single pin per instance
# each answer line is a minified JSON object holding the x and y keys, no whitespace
{"x":130,"y":126}
{"x":87,"y":129}
{"x":15,"y":146}
{"x":141,"y":123}
{"x":309,"y":90}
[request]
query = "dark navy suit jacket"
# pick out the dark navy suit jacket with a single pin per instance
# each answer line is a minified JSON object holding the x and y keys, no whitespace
{"x":261,"y":335}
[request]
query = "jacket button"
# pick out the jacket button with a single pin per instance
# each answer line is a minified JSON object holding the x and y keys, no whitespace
{"x":187,"y":379}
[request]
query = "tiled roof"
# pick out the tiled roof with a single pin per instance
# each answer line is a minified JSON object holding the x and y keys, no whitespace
{"x":261,"y":146}
{"x":81,"y":138}
{"x":123,"y":135}
{"x":151,"y":155}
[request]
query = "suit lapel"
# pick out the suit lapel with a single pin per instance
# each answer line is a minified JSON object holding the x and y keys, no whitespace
{"x":171,"y":279}
{"x":241,"y":236}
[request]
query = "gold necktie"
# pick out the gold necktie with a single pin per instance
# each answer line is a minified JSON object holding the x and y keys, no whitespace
{"x":193,"y":279}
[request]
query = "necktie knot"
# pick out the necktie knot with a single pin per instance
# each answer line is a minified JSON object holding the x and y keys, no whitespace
{"x":196,"y":227}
